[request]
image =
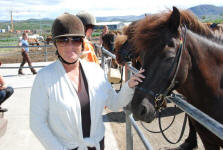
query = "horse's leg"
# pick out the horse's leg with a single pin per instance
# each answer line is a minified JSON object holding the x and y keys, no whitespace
{"x":209,"y":146}
{"x":210,"y":142}
{"x":191,"y":142}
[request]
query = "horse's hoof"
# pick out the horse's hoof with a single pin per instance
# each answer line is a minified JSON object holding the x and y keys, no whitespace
{"x":187,"y":146}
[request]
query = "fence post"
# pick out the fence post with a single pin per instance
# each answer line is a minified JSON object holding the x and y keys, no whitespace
{"x":129,"y":137}
{"x":46,"y":55}
{"x":102,"y":60}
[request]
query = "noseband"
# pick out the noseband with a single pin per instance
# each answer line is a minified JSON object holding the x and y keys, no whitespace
{"x":159,"y":97}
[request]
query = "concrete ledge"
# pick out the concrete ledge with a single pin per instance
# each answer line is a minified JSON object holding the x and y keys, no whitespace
{"x":3,"y":126}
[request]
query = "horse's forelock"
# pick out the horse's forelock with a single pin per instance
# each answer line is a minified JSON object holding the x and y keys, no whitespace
{"x":119,"y":41}
{"x":149,"y":30}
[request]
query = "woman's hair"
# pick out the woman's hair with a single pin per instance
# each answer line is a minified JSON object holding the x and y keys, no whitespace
{"x":23,"y":34}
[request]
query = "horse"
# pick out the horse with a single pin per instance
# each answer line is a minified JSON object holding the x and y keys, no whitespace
{"x":33,"y":40}
{"x":49,"y":39}
{"x":157,"y":38}
{"x":216,"y":27}
{"x":108,"y":43}
{"x":124,"y":50}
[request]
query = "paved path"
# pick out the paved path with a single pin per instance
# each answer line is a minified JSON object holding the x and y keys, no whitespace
{"x":18,"y":135}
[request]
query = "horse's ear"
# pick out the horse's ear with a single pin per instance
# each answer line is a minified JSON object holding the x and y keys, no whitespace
{"x":174,"y":20}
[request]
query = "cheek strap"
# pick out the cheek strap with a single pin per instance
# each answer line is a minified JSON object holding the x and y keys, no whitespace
{"x":64,"y":61}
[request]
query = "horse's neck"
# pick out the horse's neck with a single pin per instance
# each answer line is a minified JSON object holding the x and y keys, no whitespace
{"x":204,"y":76}
{"x":203,"y":48}
{"x":216,"y":36}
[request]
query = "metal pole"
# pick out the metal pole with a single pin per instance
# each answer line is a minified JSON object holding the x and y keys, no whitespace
{"x":211,"y":124}
{"x":107,"y":52}
{"x":103,"y":61}
{"x":24,"y":46}
{"x":132,"y":69}
{"x":46,"y":55}
{"x":129,"y":136}
{"x":141,"y":135}
{"x":21,"y":67}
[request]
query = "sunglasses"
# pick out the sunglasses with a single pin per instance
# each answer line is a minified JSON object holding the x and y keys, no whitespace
{"x":65,"y":40}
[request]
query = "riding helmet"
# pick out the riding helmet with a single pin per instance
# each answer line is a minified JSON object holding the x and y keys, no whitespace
{"x":86,"y":18}
{"x":67,"y":25}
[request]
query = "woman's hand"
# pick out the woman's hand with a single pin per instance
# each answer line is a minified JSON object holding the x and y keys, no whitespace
{"x":2,"y":83}
{"x":135,"y":79}
{"x":3,"y":87}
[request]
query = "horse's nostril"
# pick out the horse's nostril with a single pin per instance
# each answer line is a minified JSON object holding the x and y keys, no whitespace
{"x":142,"y":110}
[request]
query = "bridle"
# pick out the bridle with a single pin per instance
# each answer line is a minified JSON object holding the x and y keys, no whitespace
{"x":159,"y":97}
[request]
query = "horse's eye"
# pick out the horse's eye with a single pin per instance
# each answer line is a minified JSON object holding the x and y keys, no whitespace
{"x":170,"y":44}
{"x":169,"y":59}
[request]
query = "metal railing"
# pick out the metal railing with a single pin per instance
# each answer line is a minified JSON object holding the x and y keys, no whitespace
{"x":36,"y":53}
{"x":208,"y":122}
{"x":129,"y":119}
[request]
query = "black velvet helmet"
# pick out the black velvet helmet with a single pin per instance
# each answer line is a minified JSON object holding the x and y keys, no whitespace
{"x":67,"y":25}
{"x":87,"y":18}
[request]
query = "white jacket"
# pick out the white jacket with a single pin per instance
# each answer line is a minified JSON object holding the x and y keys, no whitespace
{"x":55,"y":115}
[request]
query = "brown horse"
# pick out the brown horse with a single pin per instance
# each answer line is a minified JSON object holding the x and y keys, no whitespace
{"x":33,"y":41}
{"x":216,"y":27}
{"x":48,"y":39}
{"x":124,"y":50}
{"x":158,"y":38}
{"x":108,"y":43}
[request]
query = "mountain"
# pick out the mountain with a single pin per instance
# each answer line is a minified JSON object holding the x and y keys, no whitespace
{"x":1,"y":21}
{"x":200,"y":10}
{"x":207,"y":10}
{"x":128,"y":18}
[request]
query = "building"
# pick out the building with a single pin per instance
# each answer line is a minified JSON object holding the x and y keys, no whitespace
{"x":2,"y":30}
{"x":116,"y":25}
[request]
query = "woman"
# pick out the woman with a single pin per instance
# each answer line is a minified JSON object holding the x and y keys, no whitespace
{"x":68,"y":96}
{"x":104,"y":31}
{"x":25,"y":56}
{"x":5,"y":92}
{"x":89,"y":21}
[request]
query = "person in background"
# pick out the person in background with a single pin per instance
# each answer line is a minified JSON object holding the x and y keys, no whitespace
{"x":5,"y":92}
{"x":89,"y":21}
{"x":69,"y":95}
{"x":25,"y":56}
{"x":104,"y":31}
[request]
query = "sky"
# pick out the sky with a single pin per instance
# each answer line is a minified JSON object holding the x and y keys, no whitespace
{"x":26,"y":9}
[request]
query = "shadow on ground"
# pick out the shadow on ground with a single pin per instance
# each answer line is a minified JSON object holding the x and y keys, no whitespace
{"x":120,"y":116}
